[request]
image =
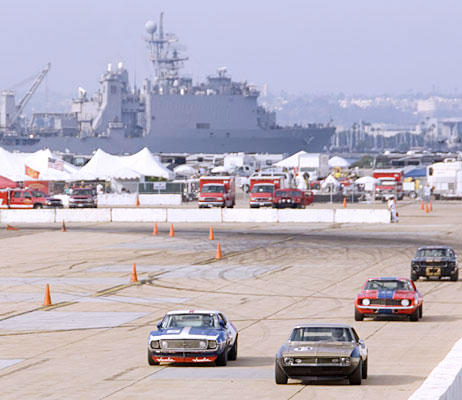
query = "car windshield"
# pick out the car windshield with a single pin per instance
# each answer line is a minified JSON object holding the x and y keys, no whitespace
{"x":281,"y":193}
{"x":213,"y":189}
{"x":263,"y":189}
{"x":191,"y":320}
{"x":432,"y":253}
{"x":82,"y":192}
{"x":321,"y":334}
{"x":295,"y":193}
{"x":38,"y":193}
{"x":395,"y":284}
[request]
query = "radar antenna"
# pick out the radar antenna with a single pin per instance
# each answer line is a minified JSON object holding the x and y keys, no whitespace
{"x":164,"y":55}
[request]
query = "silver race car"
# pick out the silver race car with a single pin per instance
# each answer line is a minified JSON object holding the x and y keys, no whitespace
{"x":322,"y":351}
{"x":195,"y":336}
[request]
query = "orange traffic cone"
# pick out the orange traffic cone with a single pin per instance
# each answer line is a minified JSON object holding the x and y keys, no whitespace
{"x":155,"y":230}
{"x":134,"y":276}
{"x":172,"y":231}
{"x":47,"y":299}
{"x":431,"y":207}
{"x":219,"y":255}
{"x":11,"y":228}
{"x":137,"y":201}
{"x":426,"y":208}
{"x":63,"y":227}
{"x":344,"y":202}
{"x":422,"y":205}
{"x":211,"y":236}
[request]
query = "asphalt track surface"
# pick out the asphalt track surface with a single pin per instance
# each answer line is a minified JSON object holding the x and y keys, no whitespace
{"x":92,"y":342}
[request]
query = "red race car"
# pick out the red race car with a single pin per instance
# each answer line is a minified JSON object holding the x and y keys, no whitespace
{"x":292,"y":198}
{"x":389,"y":296}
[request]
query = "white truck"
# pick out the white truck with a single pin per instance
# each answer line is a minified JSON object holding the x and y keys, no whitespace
{"x":315,"y":164}
{"x":243,"y":164}
{"x":445,"y":178}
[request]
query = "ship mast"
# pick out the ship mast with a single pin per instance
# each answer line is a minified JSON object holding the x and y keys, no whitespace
{"x":165,"y":58}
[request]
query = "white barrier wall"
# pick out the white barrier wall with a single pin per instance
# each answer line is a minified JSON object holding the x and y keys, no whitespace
{"x":194,"y":215}
{"x":83,"y":215}
{"x":288,"y":215}
{"x":249,"y":215}
{"x":139,"y":215}
{"x":445,"y":381}
{"x":15,"y":216}
{"x":343,"y":216}
{"x":160,"y":199}
{"x":113,"y":199}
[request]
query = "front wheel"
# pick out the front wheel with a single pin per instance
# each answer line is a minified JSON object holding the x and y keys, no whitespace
{"x":455,"y":277}
{"x":356,"y":377}
{"x":421,"y":311}
{"x":414,"y":276}
{"x":232,"y":355}
{"x":222,"y":359}
{"x":279,"y":375}
{"x":358,"y":315}
{"x":414,"y":317}
{"x":37,"y":206}
{"x":364,"y":369}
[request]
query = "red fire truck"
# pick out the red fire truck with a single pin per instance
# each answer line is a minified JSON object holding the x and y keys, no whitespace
{"x":217,"y":191}
{"x":262,"y":189}
{"x":21,"y":199}
{"x":391,"y":183}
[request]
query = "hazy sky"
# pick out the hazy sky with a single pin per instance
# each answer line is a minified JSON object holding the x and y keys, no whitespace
{"x":300,"y":46}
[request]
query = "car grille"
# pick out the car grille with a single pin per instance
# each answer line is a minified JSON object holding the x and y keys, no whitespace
{"x":210,"y":199}
{"x":183,"y":344}
{"x":432,"y":264}
{"x":318,"y":360}
{"x":385,"y":302}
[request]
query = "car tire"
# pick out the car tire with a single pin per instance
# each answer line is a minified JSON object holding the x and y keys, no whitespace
{"x":414,"y":277}
{"x":232,"y":355}
{"x":356,"y":377}
{"x":279,"y":376}
{"x":364,"y":369}
{"x":358,"y":315}
{"x":421,"y":311}
{"x":455,"y":277}
{"x":150,"y":360}
{"x":38,"y":206}
{"x":414,"y":317}
{"x":222,"y":359}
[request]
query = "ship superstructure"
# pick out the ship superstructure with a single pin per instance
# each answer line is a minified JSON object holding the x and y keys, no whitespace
{"x":171,"y":113}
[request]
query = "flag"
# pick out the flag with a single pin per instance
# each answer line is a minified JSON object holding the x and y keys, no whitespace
{"x":32,"y":172}
{"x":56,"y":164}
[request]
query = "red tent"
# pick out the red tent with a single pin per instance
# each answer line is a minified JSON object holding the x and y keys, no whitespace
{"x":7,"y":183}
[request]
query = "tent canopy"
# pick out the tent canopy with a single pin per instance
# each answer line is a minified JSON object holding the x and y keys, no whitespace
{"x":291,"y":161}
{"x":7,"y":183}
{"x":146,"y":164}
{"x":367,"y":179}
{"x":337,"y":161}
{"x":105,"y":166}
{"x":416,"y":173}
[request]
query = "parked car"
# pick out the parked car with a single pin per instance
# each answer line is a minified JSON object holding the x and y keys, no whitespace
{"x":435,"y":262}
{"x":292,"y":198}
{"x":50,"y":201}
{"x":195,"y":336}
{"x":389,"y":296}
{"x":322,"y":350}
{"x":83,"y":197}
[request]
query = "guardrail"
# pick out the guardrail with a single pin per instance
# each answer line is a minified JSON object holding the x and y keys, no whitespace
{"x":195,"y":215}
{"x":445,"y":381}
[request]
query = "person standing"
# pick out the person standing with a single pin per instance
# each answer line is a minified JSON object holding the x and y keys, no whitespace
{"x":392,"y":208}
{"x":427,"y":193}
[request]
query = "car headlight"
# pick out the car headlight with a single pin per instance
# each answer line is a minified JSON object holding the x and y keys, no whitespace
{"x":365,"y":302}
{"x":203,"y":344}
{"x":201,"y":198}
{"x":154,"y":344}
{"x":213,"y":344}
{"x":288,"y":361}
{"x":405,"y":302}
{"x":220,"y":198}
{"x":164,"y":344}
{"x":345,"y":361}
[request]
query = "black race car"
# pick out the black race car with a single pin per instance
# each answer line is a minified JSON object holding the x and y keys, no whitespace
{"x":435,"y":262}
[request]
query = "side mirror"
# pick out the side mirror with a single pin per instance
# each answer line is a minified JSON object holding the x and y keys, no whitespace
{"x":222,"y":324}
{"x":159,"y":325}
{"x":361,"y":343}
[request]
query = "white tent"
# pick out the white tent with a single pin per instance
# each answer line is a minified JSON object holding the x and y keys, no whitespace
{"x":337,"y":161}
{"x":146,"y":164}
{"x":291,"y":161}
{"x":11,"y":166}
{"x":367,"y":179}
{"x":185,"y":170}
{"x":106,"y":166}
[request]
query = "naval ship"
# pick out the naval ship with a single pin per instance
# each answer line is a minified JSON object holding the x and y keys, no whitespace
{"x":168,"y":114}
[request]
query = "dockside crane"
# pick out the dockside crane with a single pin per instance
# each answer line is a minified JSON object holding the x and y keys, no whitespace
{"x":22,"y":104}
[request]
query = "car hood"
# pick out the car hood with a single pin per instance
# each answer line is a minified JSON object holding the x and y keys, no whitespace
{"x":386,"y":294}
{"x":318,"y":349}
{"x":186,"y":333}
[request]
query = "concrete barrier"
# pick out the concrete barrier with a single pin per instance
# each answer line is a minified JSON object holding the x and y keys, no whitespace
{"x":160,"y":199}
{"x":249,"y":215}
{"x":113,"y":199}
{"x":83,"y":215}
{"x":361,"y":215}
{"x":27,"y":216}
{"x":287,"y":215}
{"x":139,"y":215}
{"x":194,"y":215}
{"x":445,"y":381}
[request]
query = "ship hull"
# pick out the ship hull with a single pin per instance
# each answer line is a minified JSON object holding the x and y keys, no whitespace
{"x":284,"y":140}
